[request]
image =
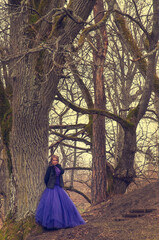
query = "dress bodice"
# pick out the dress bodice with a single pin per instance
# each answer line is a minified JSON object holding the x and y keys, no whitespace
{"x":57,"y":170}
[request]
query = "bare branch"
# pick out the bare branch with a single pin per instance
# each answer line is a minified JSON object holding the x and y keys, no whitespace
{"x":77,"y":126}
{"x":134,"y":20}
{"x":79,"y":192}
{"x":148,"y":54}
{"x":79,"y":148}
{"x":73,"y":138}
{"x":124,"y":123}
{"x":78,"y":168}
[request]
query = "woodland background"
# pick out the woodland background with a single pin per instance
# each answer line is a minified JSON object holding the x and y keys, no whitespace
{"x":78,"y":79}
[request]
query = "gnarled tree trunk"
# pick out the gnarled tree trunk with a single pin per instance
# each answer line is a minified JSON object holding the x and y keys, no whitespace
{"x":124,"y":173}
{"x":35,"y":76}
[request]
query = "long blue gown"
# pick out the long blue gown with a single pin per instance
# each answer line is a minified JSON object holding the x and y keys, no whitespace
{"x":56,"y":210}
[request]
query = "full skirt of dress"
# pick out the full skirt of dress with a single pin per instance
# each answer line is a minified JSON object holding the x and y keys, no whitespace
{"x":56,"y":210}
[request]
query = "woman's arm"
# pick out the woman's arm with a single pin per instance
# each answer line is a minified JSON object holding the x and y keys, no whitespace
{"x":47,"y":174}
{"x":61,"y":169}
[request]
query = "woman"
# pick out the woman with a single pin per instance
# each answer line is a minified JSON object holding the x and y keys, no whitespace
{"x":56,"y":210}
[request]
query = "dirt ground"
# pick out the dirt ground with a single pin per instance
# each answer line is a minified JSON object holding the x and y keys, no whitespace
{"x":132,"y":216}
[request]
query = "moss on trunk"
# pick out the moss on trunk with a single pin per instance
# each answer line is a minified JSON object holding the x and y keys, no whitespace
{"x":19,"y":230}
{"x":5,"y":123}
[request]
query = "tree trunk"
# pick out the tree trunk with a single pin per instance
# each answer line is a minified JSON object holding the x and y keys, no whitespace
{"x":99,"y":185}
{"x":29,"y":148}
{"x":125,"y":173}
{"x":99,"y":181}
{"x":34,"y":80}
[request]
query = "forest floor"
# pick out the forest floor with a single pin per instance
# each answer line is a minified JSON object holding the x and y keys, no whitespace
{"x":132,"y":216}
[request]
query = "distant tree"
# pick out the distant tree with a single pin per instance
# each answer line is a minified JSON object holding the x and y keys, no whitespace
{"x":124,"y":172}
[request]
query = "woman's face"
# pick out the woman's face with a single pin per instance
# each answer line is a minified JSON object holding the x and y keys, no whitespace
{"x":54,"y":161}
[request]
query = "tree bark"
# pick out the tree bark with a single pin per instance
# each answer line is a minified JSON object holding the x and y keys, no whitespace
{"x":124,"y":173}
{"x":99,"y":181}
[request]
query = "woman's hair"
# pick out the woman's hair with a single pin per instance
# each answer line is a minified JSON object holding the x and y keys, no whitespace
{"x":53,"y":156}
